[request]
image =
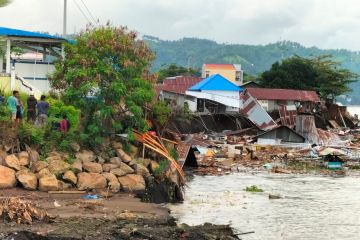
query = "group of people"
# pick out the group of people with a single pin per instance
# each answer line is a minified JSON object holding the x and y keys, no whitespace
{"x":37,"y":111}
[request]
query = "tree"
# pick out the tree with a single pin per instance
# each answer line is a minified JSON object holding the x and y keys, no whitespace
{"x":105,"y":74}
{"x":321,"y":74}
{"x":173,"y":70}
{"x":4,"y":2}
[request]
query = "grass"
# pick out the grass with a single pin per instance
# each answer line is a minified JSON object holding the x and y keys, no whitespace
{"x":253,"y":188}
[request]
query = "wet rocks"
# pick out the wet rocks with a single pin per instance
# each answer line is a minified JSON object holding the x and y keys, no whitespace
{"x":7,"y":177}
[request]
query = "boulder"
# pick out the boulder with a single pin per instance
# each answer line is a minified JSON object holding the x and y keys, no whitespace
{"x":43,"y":172}
{"x":133,"y":150}
{"x":116,"y":145}
{"x":24,"y":158}
{"x":27,"y":179}
{"x":48,"y":183}
{"x":92,"y":167}
{"x":2,"y":157}
{"x":63,"y":185}
{"x":123,"y":155}
{"x":70,"y":176}
{"x":153,"y":166}
{"x":76,"y":167}
{"x":125,"y":168}
{"x":38,"y":166}
{"x":113,"y":182}
{"x":85,"y":156}
{"x":100,"y":160}
{"x":141,"y":170}
{"x":118,"y":172}
{"x":75,"y":147}
{"x":58,"y":167}
{"x":107,"y":167}
{"x":34,"y":156}
{"x":7,"y":177}
{"x":91,"y":181}
{"x":132,"y":183}
{"x":13,"y":162}
{"x":57,"y":156}
{"x":115,"y":160}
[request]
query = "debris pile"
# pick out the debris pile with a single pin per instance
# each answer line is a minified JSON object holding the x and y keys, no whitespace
{"x":22,"y":212}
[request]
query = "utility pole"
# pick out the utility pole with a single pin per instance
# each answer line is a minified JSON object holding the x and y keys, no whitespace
{"x":64,"y":29}
{"x":65,"y":15}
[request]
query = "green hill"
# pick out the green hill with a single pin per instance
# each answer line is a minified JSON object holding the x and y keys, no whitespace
{"x":255,"y":59}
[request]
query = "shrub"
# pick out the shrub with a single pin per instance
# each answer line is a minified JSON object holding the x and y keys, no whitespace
{"x":253,"y":188}
{"x":31,"y":135}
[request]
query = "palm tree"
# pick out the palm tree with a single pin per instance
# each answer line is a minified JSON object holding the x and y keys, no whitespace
{"x":4,"y":2}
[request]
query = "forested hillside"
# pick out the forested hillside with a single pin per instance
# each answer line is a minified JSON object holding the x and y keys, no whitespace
{"x":192,"y":52}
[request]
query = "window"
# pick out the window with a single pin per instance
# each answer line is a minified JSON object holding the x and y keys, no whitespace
{"x":207,"y":74}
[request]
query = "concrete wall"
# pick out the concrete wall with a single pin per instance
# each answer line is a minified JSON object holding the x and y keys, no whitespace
{"x":35,"y":74}
{"x":180,"y":99}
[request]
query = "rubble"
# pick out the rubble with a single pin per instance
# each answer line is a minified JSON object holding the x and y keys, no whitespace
{"x":19,"y":211}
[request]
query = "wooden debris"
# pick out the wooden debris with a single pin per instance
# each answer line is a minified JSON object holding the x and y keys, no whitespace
{"x":19,"y":211}
{"x":66,"y":192}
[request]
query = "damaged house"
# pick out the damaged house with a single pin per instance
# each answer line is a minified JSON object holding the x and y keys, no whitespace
{"x":214,"y":94}
{"x":272,"y":99}
{"x":173,"y":89}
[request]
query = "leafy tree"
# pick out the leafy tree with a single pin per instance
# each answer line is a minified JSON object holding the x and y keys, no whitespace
{"x":4,"y":2}
{"x":105,"y":74}
{"x":321,"y":74}
{"x":175,"y":70}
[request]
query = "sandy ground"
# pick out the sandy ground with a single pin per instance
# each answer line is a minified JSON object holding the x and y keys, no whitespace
{"x":74,"y":205}
{"x":121,"y":216}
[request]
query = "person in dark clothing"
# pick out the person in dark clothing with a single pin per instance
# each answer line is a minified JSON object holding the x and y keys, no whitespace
{"x":31,"y":108}
{"x":43,"y":108}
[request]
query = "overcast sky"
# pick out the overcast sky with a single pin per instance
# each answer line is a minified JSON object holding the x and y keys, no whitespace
{"x":322,"y":23}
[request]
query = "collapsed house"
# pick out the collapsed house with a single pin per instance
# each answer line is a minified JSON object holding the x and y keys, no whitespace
{"x":272,"y":99}
{"x":214,"y":94}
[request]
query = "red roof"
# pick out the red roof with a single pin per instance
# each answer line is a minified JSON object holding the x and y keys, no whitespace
{"x":283,"y":94}
{"x":221,"y":66}
{"x":177,"y":84}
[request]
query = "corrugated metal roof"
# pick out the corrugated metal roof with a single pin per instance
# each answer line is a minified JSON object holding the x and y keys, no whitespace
{"x":283,"y":94}
{"x":22,"y":33}
{"x":220,"y":66}
{"x":177,"y":84}
{"x":215,"y":82}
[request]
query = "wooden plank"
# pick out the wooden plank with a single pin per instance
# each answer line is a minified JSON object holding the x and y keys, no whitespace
{"x":66,"y":192}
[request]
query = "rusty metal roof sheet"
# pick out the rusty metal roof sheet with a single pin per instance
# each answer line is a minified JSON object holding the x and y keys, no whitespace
{"x":178,"y":84}
{"x":283,"y":94}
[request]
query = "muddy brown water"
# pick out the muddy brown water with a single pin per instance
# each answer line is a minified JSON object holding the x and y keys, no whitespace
{"x":311,"y":207}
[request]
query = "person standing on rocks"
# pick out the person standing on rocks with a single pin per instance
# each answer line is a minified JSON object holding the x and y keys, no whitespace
{"x":43,"y":108}
{"x":31,"y":108}
{"x":16,"y":108}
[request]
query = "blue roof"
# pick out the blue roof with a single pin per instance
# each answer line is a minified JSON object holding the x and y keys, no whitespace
{"x":216,"y":82}
{"x":21,"y":33}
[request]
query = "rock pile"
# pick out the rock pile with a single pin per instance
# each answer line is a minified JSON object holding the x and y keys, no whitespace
{"x":86,"y":172}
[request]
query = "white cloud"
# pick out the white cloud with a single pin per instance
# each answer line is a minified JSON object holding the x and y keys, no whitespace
{"x":323,"y":23}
